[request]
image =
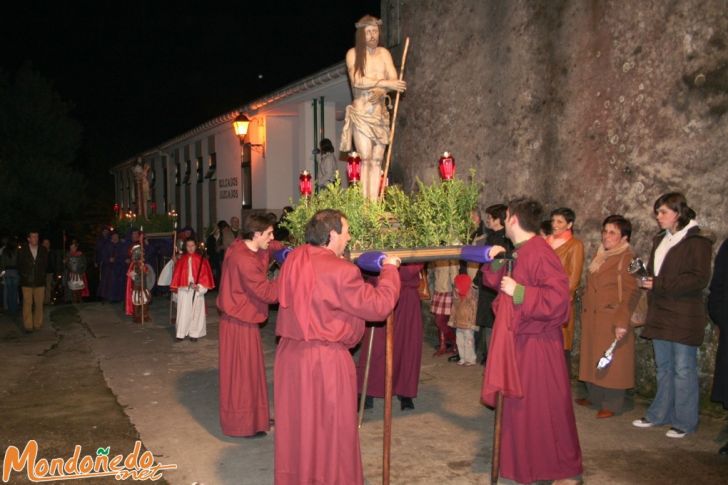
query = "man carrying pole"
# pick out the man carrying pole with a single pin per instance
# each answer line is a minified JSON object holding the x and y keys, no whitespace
{"x":372,"y":76}
{"x":526,"y":364}
{"x":323,"y":305}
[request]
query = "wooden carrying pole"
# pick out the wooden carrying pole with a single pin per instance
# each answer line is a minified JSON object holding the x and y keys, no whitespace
{"x":388,"y":365}
{"x":394,"y":120}
{"x":418,"y":255}
{"x":143,"y":267}
{"x":365,"y":383}
{"x":495,"y":454}
{"x":174,"y":258}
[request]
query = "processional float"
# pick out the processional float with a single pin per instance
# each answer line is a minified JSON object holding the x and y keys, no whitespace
{"x":371,"y":261}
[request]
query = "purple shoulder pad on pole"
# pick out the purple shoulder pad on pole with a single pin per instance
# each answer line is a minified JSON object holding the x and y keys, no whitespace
{"x":476,"y":254}
{"x":371,"y":261}
{"x":281,"y":255}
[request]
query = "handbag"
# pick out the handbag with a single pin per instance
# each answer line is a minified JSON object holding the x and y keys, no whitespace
{"x":75,"y":282}
{"x":424,"y":289}
{"x":639,"y":315}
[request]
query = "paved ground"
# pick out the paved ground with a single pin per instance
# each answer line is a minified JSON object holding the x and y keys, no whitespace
{"x":169,"y":391}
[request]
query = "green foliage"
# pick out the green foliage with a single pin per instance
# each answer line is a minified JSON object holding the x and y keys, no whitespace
{"x":155,"y":223}
{"x":38,"y":145}
{"x":436,"y":214}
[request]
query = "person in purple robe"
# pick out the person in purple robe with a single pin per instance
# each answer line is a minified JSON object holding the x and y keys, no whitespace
{"x":113,"y":270}
{"x":408,"y":337}
{"x":101,"y":243}
{"x":539,"y":437}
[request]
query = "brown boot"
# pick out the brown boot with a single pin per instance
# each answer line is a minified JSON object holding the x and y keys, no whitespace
{"x":443,"y":346}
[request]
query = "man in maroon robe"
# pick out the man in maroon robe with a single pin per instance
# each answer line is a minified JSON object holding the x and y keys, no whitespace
{"x":245,"y":293}
{"x":407,"y":354}
{"x":323,"y":305}
{"x":539,"y":438}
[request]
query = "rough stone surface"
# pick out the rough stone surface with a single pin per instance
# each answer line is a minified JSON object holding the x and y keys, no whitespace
{"x":596,"y":105}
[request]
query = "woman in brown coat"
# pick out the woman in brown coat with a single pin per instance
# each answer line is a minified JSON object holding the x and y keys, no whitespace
{"x":570,"y":251}
{"x":676,"y":316}
{"x":610,"y":296}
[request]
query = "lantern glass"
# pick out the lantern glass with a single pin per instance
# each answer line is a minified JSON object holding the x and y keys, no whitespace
{"x":353,"y":168}
{"x":446,"y":166}
{"x":305,"y":185}
{"x":241,"y":125}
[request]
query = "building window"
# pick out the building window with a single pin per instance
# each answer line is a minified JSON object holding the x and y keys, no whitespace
{"x":211,"y":165}
{"x":199,"y":168}
{"x":188,"y":172}
{"x":165,"y":195}
{"x":246,"y":179}
{"x":177,"y":175}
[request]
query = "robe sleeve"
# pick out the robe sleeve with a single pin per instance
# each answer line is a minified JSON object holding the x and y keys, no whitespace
{"x":257,"y":283}
{"x":177,"y":275}
{"x":492,"y":276}
{"x":206,"y":279}
{"x":693,"y":280}
{"x":547,"y":299}
{"x":365,"y":301}
{"x":574,"y":264}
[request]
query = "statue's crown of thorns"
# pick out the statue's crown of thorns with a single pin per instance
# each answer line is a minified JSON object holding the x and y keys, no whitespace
{"x":373,"y":22}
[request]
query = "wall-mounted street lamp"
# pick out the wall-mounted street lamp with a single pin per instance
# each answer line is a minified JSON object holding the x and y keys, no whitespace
{"x":241,"y":125}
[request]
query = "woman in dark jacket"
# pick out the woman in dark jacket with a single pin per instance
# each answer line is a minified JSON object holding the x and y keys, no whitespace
{"x":718,"y":309}
{"x":495,"y":217}
{"x":676,"y":317}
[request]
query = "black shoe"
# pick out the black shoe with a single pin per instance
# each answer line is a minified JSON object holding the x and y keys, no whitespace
{"x":724,"y":450}
{"x":484,"y":359}
{"x":179,"y":339}
{"x":406,"y":403}
{"x":193,"y":339}
{"x":368,"y":402}
{"x":454,"y":358}
{"x":259,"y":434}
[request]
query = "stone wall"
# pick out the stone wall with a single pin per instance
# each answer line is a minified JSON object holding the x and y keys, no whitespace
{"x":596,"y":105}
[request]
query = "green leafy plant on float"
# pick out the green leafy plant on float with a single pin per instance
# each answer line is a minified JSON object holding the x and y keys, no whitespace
{"x":155,"y":223}
{"x":435,"y":214}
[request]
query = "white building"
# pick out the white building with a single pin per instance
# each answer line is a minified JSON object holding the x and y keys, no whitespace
{"x":206,"y":174}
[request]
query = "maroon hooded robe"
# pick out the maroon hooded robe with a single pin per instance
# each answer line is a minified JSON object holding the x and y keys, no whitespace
{"x":408,"y":335}
{"x":243,"y":299}
{"x":539,"y":438}
{"x":323,"y":305}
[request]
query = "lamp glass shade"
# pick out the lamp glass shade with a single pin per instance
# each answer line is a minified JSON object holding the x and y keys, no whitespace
{"x":304,"y":183}
{"x":446,"y":166}
{"x":353,"y":168}
{"x":241,"y":125}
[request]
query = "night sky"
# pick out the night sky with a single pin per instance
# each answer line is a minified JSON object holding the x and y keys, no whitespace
{"x":139,"y":72}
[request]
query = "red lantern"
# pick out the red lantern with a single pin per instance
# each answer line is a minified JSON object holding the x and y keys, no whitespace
{"x":353,"y":168}
{"x":117,"y":208}
{"x":446,"y":165}
{"x":304,"y":183}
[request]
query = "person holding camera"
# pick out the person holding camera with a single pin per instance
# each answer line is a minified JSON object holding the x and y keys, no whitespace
{"x":676,"y":316}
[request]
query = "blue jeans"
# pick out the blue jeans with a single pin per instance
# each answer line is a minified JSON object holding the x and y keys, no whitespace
{"x":11,"y":291}
{"x":676,"y":401}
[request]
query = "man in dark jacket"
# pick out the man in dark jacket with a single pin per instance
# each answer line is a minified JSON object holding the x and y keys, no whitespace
{"x":32,"y":263}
